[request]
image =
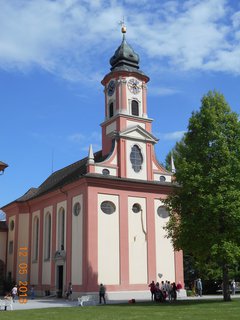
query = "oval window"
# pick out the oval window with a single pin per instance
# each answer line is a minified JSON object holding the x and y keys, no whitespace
{"x":162,"y":212}
{"x":162,"y":178}
{"x":108,"y":207}
{"x":136,"y":208}
{"x":136,"y":158}
{"x":11,"y":225}
{"x":76,"y":209}
{"x":105,"y":172}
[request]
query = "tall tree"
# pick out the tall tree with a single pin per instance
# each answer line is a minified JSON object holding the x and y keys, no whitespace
{"x":205,"y":206}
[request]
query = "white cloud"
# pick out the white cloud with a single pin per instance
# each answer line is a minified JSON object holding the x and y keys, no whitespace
{"x":236,"y":19}
{"x":77,"y":138}
{"x":162,"y":91}
{"x":176,"y":135}
{"x":85,"y":140}
{"x":71,"y":38}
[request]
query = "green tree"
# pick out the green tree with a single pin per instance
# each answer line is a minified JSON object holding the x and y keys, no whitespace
{"x":205,"y":205}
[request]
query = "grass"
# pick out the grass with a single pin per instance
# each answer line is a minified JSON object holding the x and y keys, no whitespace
{"x":184,"y":310}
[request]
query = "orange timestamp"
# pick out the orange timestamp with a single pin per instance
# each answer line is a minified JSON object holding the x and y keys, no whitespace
{"x":23,"y":274}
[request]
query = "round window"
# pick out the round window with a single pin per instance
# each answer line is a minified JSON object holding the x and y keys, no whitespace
{"x":76,"y":209}
{"x":12,"y":225}
{"x":136,"y":208}
{"x":162,"y":212}
{"x":162,"y":178}
{"x":108,"y":207}
{"x":105,"y":172}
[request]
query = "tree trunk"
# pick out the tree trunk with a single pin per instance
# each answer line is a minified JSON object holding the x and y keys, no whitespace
{"x":226,"y":292}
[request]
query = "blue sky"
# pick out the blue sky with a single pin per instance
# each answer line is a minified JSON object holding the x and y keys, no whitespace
{"x":53,"y":55}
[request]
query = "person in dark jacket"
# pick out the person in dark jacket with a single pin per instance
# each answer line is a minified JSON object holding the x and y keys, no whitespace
{"x":102,"y":291}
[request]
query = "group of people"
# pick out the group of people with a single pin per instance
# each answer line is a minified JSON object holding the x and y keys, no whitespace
{"x":164,"y":290}
{"x":11,"y":296}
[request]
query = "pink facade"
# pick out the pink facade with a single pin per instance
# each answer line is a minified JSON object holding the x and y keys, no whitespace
{"x":100,"y":219}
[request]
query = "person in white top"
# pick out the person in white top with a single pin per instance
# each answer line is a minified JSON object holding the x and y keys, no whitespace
{"x":233,"y":286}
{"x":14,"y":292}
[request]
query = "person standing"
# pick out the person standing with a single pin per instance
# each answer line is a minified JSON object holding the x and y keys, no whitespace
{"x":152,"y":290}
{"x":14,"y":292}
{"x":199,"y":287}
{"x":233,"y":286}
{"x":169,"y":291}
{"x":102,"y":291}
{"x":69,"y":291}
{"x":32,"y":292}
{"x":174,"y":291}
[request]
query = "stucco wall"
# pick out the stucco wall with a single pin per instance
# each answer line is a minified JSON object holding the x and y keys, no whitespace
{"x":108,"y":242}
{"x":164,"y":248}
{"x":11,"y":237}
{"x":34,"y":264}
{"x":46,"y":264}
{"x":77,"y":243}
{"x":3,"y":243}
{"x":137,"y":242}
{"x":23,"y":238}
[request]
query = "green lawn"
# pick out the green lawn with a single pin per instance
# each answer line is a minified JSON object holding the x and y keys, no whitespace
{"x":184,"y":310}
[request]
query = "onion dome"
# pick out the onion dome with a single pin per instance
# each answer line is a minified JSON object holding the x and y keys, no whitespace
{"x":124,"y":57}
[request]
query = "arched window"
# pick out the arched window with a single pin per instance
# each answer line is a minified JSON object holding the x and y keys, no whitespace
{"x":61,"y":229}
{"x":111,"y":110}
{"x":136,"y":158}
{"x":47,"y":236}
{"x":35,"y":238}
{"x":135,"y":108}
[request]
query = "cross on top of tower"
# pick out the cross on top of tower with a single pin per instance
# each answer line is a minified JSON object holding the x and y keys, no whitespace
{"x":124,"y":28}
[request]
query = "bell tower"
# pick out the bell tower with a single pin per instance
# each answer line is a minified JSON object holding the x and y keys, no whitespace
{"x":127,"y":141}
{"x":125,"y":89}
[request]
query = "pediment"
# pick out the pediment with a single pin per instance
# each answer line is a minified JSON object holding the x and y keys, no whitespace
{"x":138,"y":133}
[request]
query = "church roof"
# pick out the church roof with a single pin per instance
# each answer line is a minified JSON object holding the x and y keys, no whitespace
{"x":61,"y":177}
{"x":125,"y":58}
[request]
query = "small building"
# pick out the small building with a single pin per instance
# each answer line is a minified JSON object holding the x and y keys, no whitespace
{"x":100,"y":219}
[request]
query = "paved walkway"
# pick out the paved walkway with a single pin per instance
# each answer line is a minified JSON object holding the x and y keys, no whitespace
{"x":40,"y":303}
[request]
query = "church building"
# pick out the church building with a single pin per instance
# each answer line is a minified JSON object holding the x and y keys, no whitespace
{"x":100,"y":219}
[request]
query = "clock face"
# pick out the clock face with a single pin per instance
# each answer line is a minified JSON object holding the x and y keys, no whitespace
{"x":111,"y":88}
{"x":134,"y":86}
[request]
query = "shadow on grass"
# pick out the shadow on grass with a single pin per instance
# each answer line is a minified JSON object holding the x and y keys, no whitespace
{"x":178,"y":303}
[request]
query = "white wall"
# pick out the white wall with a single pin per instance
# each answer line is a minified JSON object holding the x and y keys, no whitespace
{"x":77,"y":243}
{"x":99,"y":169}
{"x":164,"y":248}
{"x":131,"y":123}
{"x":34,"y":264}
{"x":23,"y":240}
{"x":46,"y":267}
{"x":3,"y":243}
{"x":11,"y":237}
{"x":108,"y":242}
{"x":137,"y":242}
